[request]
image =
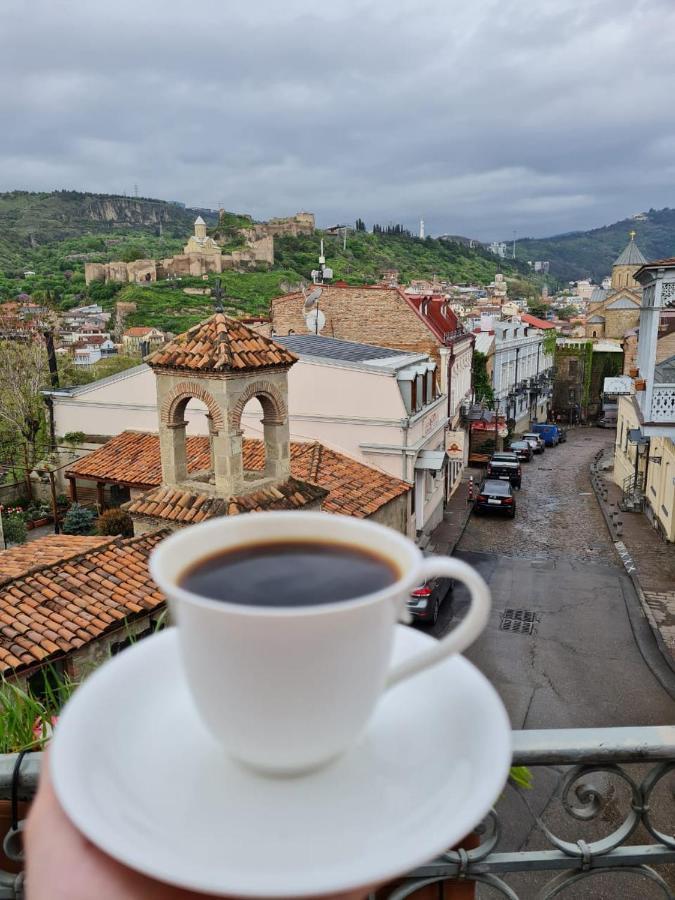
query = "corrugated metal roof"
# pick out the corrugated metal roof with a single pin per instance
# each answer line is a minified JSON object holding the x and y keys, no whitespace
{"x":332,"y":348}
{"x":484,"y":341}
{"x":664,"y":372}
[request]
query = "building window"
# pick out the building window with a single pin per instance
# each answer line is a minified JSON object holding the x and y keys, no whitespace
{"x":595,"y":334}
{"x":413,"y":396}
{"x":412,"y":501}
{"x":572,"y":395}
{"x":573,"y":367}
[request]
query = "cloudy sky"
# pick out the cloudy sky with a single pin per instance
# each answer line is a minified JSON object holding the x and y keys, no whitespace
{"x":483,"y":117}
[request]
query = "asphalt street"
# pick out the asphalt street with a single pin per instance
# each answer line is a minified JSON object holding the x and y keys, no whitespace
{"x":581,"y":666}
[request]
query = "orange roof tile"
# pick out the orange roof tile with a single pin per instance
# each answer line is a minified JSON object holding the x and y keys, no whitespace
{"x":59,"y":608}
{"x":45,"y":551}
{"x":179,"y":505}
{"x":220,"y":344}
{"x":132,"y":458}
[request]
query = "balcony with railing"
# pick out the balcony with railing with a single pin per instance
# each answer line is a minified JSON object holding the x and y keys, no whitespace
{"x":606,"y":829}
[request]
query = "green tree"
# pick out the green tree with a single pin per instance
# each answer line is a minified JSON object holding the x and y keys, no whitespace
{"x":567,"y":312}
{"x":360,"y":225}
{"x":481,"y":380}
{"x":23,"y":372}
{"x":79,"y":520}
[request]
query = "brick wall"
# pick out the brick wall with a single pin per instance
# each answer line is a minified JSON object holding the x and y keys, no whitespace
{"x":369,"y":315}
{"x":619,"y":321}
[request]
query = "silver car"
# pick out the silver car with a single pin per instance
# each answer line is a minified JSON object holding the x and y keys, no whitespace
{"x":536,"y":441}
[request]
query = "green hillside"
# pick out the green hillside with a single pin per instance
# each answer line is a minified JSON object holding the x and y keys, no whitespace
{"x":367,"y":255}
{"x":54,"y":235}
{"x":583,"y":254}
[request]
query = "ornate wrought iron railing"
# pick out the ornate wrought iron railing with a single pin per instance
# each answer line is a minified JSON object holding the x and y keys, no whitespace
{"x":590,"y":762}
{"x":597,"y":769}
{"x":663,"y":403}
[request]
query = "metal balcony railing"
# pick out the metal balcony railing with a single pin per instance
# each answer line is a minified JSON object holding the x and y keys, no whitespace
{"x":614,"y":785}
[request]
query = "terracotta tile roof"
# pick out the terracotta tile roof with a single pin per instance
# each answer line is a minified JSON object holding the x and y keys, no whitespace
{"x":132,"y":458}
{"x":189,"y":507}
{"x":45,"y":551}
{"x":60,"y":608}
{"x":535,"y":322}
{"x":220,"y":344}
{"x":138,"y":331}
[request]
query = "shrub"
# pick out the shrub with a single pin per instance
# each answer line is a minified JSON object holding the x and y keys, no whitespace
{"x":79,"y":520}
{"x":74,"y":437}
{"x":14,"y":529}
{"x":115,"y":521}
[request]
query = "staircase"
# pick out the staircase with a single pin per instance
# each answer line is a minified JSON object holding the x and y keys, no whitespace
{"x":633,"y":494}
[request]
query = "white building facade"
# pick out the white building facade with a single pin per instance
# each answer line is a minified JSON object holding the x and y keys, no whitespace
{"x":522,"y":373}
{"x":383,"y":407}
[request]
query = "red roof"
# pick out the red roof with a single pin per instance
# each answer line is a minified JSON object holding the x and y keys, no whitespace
{"x":535,"y":322}
{"x":435,"y":312}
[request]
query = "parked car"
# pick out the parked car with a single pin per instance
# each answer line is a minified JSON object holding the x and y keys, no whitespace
{"x":562,"y":434}
{"x":426,"y":600}
{"x":536,"y":440}
{"x":505,"y":470}
{"x":522,"y":449}
{"x":506,"y":455}
{"x":605,"y":422}
{"x":549,"y":433}
{"x":496,"y":496}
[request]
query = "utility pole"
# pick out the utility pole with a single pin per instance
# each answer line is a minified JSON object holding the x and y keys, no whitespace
{"x":514,"y":243}
{"x":55,"y":509}
{"x":2,"y":533}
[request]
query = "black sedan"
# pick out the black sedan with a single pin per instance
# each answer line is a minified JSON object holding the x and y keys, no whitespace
{"x":496,"y":496}
{"x":522,"y":449}
{"x":425,"y":601}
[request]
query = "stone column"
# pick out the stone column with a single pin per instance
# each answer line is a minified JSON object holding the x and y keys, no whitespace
{"x":277,"y":449}
{"x":172,"y":451}
{"x":228,"y":466}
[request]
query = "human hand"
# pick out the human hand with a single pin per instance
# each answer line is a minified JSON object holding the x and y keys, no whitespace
{"x":61,"y":864}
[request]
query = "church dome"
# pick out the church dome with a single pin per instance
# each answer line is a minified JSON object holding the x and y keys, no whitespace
{"x":630,"y":255}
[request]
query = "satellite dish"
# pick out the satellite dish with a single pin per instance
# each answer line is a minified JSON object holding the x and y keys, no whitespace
{"x":316,"y":321}
{"x":311,"y":299}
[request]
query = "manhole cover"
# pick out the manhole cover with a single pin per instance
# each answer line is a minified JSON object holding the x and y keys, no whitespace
{"x":518,"y":621}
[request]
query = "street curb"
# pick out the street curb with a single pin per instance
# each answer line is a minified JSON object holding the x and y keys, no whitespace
{"x":631,"y":572}
{"x":467,"y":516}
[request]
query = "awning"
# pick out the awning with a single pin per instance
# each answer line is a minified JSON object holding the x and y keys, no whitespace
{"x":430,"y":460}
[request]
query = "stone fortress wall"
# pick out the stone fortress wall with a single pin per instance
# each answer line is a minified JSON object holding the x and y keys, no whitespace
{"x":203,"y":255}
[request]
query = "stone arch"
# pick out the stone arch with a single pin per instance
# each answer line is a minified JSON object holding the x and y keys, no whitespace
{"x":274,"y":406}
{"x":179,"y":396}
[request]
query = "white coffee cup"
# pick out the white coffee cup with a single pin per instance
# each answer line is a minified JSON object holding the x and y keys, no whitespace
{"x":287,"y":689}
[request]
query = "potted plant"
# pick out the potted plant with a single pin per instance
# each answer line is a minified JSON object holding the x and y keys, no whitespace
{"x":26,"y":723}
{"x":640,"y":384}
{"x":633,"y":371}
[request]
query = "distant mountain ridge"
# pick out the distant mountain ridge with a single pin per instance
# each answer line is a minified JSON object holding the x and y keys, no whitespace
{"x":584,"y":254}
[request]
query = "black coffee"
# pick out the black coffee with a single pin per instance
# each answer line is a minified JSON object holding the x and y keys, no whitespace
{"x":289,"y":573}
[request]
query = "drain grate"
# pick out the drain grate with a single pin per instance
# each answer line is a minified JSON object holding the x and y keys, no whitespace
{"x":518,"y":621}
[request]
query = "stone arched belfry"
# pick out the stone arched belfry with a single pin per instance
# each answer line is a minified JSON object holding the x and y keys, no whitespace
{"x":224,"y":364}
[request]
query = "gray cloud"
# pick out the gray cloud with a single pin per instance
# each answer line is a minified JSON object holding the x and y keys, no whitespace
{"x":482,"y":117}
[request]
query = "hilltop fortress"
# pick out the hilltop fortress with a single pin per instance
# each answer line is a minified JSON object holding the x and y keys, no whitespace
{"x":203,"y":254}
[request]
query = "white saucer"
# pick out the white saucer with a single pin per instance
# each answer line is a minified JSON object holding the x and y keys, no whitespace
{"x":139,"y":775}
